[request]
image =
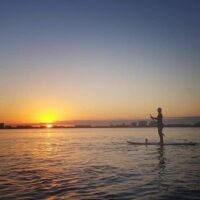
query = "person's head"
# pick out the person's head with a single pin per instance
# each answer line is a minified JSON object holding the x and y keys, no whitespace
{"x":159,"y":110}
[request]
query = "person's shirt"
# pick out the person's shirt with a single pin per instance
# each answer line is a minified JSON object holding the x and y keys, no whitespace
{"x":159,"y":119}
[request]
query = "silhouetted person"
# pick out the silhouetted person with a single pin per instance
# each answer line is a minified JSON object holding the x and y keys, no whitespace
{"x":159,"y":124}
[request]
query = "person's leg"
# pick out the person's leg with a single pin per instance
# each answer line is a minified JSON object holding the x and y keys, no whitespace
{"x":160,"y":135}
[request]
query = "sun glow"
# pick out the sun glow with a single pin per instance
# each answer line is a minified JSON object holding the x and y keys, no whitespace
{"x":47,"y":117}
{"x":49,"y":125}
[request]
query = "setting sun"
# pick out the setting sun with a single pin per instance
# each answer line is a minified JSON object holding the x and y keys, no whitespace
{"x":49,"y":125}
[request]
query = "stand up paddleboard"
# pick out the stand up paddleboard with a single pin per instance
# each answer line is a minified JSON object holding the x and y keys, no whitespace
{"x":156,"y":143}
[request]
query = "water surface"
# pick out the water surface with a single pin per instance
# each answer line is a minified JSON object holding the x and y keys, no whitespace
{"x":98,"y":164}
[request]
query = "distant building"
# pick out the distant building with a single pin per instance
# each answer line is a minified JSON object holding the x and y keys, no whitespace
{"x":82,"y":126}
{"x":123,"y":124}
{"x":142,"y":123}
{"x":178,"y":125}
{"x":133,"y":124}
{"x":1,"y":125}
{"x":152,"y":124}
{"x":197,"y":124}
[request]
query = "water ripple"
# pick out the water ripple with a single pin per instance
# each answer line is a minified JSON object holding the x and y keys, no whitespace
{"x":76,"y":165}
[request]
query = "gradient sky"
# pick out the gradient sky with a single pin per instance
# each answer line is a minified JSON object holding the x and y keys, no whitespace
{"x":96,"y":59}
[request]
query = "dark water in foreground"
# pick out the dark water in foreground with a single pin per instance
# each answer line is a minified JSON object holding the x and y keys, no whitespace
{"x":98,"y":164}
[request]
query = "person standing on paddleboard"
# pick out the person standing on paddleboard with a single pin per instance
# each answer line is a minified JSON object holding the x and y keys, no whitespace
{"x":160,"y":124}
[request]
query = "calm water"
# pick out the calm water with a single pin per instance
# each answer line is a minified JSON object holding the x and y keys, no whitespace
{"x":98,"y":164}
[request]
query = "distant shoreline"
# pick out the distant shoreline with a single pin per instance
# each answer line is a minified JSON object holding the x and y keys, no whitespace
{"x":109,"y":127}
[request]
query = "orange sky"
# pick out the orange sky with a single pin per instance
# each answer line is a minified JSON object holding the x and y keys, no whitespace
{"x":48,"y":111}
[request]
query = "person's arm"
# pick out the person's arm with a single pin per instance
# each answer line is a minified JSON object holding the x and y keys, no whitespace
{"x":153,"y":117}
